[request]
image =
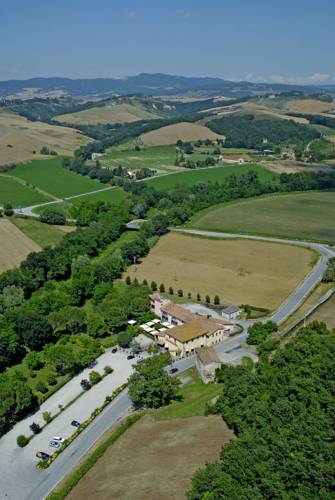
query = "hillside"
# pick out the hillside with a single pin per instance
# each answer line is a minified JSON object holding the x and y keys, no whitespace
{"x":21,"y":139}
{"x":172,"y":133}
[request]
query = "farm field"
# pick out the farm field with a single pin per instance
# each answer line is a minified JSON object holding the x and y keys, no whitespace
{"x":170,"y":134}
{"x":261,"y":274}
{"x":300,"y":215}
{"x":110,"y":113}
{"x":42,"y":234}
{"x":17,"y":194}
{"x":51,"y":177}
{"x":159,"y":158}
{"x":15,"y":245}
{"x":19,"y":137}
{"x":191,"y":177}
{"x":149,"y":450}
{"x":310,"y":106}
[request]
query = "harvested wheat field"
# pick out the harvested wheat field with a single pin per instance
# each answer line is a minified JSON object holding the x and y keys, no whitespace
{"x":310,"y":106}
{"x":154,"y":460}
{"x":239,"y":271}
{"x":172,"y":133}
{"x":19,"y":137}
{"x":15,"y":245}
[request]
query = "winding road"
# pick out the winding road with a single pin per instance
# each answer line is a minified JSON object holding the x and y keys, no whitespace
{"x":33,"y":484}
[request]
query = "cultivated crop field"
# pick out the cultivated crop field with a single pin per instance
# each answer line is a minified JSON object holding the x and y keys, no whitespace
{"x":15,"y":245}
{"x":150,"y":450}
{"x":172,"y":133}
{"x":307,"y":216}
{"x":51,"y":177}
{"x":19,"y":137}
{"x":15,"y":192}
{"x":239,"y":271}
{"x":214,"y":174}
{"x":110,"y":113}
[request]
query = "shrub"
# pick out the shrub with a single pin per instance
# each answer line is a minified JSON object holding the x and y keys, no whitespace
{"x":128,"y":280}
{"x":170,"y":290}
{"x":216,"y":300}
{"x":108,"y":369}
{"x":180,"y":292}
{"x":41,"y":387}
{"x":46,"y":416}
{"x":51,"y":379}
{"x":35,"y":428}
{"x":22,"y":441}
{"x":8,"y":209}
{"x":198,"y":297}
{"x":85,"y":384}
{"x":208,"y":299}
{"x":162,"y":288}
{"x":153,"y":286}
{"x":189,"y":295}
{"x":94,"y":377}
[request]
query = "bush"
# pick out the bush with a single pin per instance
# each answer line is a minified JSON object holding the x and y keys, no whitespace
{"x":128,"y":280}
{"x":180,"y":292}
{"x":85,"y":385}
{"x":8,"y":209}
{"x":51,"y":379}
{"x":22,"y":441}
{"x":153,"y":286}
{"x":108,"y":369}
{"x":41,"y":387}
{"x":94,"y":377}
{"x":35,"y":428}
{"x":170,"y":290}
{"x":216,"y":300}
{"x":208,"y":299}
{"x":51,"y":216}
{"x":162,"y":288}
{"x":198,"y":297}
{"x":46,"y":416}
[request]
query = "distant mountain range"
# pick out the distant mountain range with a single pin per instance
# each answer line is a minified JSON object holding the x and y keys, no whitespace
{"x":148,"y":84}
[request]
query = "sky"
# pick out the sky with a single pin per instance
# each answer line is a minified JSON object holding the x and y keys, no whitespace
{"x":291,"y":41}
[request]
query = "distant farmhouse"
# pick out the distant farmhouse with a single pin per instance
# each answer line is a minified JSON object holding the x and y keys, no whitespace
{"x":207,"y":361}
{"x":231,"y":312}
{"x":185,"y":331}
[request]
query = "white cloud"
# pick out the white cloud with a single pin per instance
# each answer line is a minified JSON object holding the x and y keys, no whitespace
{"x":184,"y":14}
{"x":314,"y":79}
{"x":132,"y":15}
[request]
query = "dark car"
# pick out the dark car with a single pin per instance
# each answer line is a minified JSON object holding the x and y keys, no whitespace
{"x":114,"y":350}
{"x":174,"y":370}
{"x":42,"y":455}
{"x":75,"y":423}
{"x":130,"y":356}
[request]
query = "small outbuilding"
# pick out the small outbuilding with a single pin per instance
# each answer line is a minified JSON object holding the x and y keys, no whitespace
{"x":231,"y":312}
{"x":207,"y":361}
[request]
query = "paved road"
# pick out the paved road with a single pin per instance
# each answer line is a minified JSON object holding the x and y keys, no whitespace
{"x":29,"y":211}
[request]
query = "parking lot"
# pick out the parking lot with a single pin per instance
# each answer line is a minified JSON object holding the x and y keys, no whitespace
{"x":18,"y":464}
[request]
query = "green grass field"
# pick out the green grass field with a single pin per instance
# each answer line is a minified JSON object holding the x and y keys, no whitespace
{"x":116,"y":195}
{"x":160,"y":158}
{"x":190,"y":177}
{"x":14,"y":192}
{"x":43,"y":234}
{"x":307,"y":216}
{"x":51,"y":177}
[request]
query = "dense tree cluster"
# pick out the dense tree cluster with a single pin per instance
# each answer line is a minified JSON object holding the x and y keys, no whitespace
{"x":52,"y":216}
{"x":282,"y":413}
{"x":249,"y":131}
{"x":150,"y":386}
{"x":259,"y":332}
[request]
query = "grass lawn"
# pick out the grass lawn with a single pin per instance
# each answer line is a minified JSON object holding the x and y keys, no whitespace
{"x":195,"y":396}
{"x":308,"y":215}
{"x":51,"y":177}
{"x":17,"y":194}
{"x":262,"y":274}
{"x":43,"y":234}
{"x":214,"y":174}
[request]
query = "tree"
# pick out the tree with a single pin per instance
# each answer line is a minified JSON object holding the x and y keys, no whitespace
{"x":170,"y":290}
{"x":69,"y":319}
{"x":162,"y":288}
{"x":198,"y":297}
{"x":216,"y":300}
{"x":46,"y":416}
{"x":22,"y":441}
{"x":96,"y":327}
{"x":62,"y":358}
{"x":52,"y":216}
{"x":8,"y":209}
{"x":85,"y":384}
{"x":153,"y":286}
{"x":33,"y":329}
{"x":12,"y":297}
{"x":136,"y":347}
{"x":128,"y":280}
{"x":35,"y":428}
{"x":207,"y":299}
{"x":94,"y":377}
{"x":9,"y":345}
{"x":124,"y":339}
{"x":258,"y":332}
{"x":41,"y":387}
{"x":150,"y":386}
{"x":33,"y":360}
{"x":180,"y":292}
{"x":108,"y":369}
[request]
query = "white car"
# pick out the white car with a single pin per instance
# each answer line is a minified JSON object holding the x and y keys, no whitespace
{"x":58,"y":439}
